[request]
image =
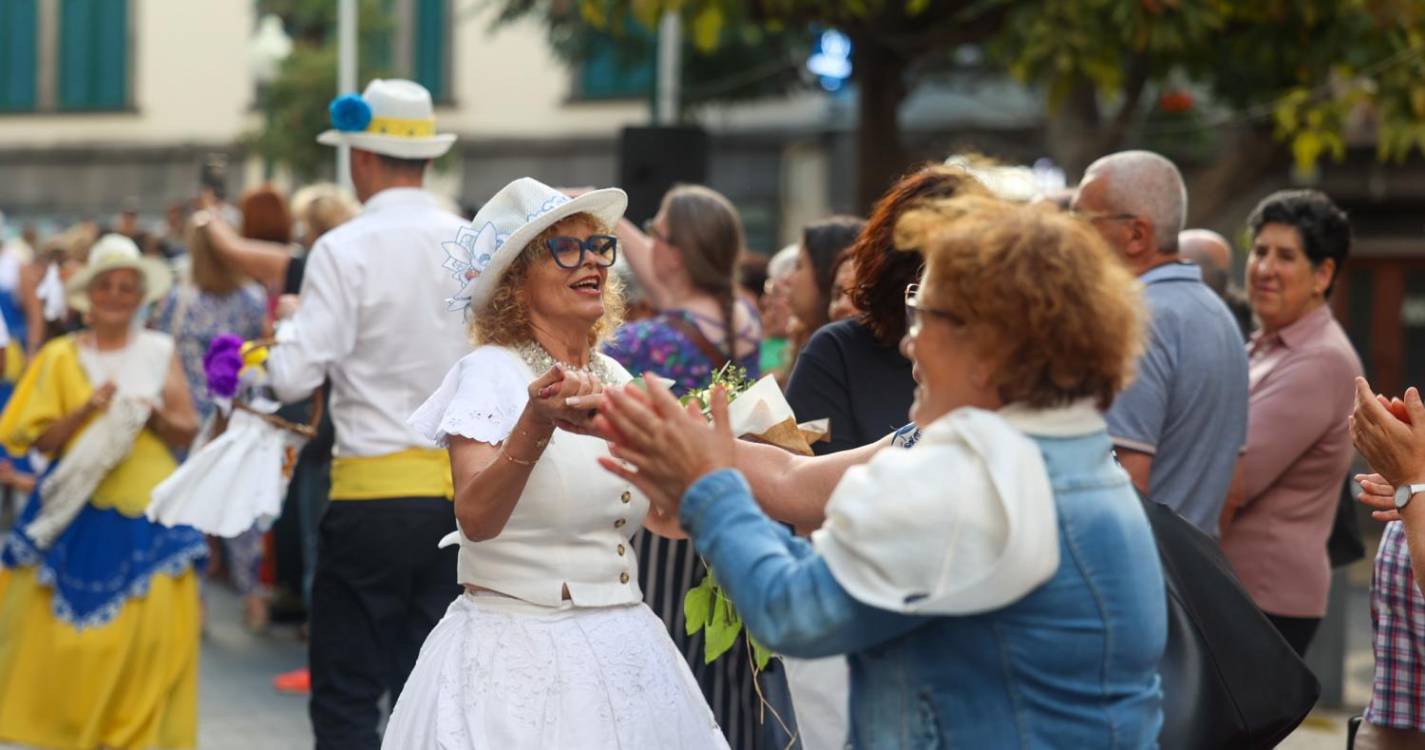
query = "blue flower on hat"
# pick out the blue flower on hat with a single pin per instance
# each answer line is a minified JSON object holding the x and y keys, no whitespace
{"x":350,"y":113}
{"x":467,"y":256}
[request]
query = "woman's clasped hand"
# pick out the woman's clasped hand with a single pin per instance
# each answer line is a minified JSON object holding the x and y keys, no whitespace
{"x":565,"y":398}
{"x":664,"y":447}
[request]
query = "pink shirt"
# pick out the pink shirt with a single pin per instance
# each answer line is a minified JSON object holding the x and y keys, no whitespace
{"x":1298,"y":452}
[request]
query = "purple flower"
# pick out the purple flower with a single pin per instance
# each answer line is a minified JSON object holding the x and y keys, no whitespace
{"x":222,"y":363}
{"x":349,"y":113}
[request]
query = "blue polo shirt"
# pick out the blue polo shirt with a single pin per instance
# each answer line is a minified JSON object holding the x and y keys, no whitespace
{"x":1187,"y":407}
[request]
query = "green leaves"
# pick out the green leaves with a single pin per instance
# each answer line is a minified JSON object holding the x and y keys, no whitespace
{"x":707,"y":27}
{"x":706,"y":608}
{"x":721,"y":631}
{"x":733,"y":379}
{"x":698,"y":606}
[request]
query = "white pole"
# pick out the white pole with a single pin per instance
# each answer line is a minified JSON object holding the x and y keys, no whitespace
{"x":345,"y":77}
{"x":670,"y":49}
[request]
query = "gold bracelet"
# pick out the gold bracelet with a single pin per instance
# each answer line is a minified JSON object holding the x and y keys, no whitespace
{"x":519,"y":461}
{"x":539,"y":443}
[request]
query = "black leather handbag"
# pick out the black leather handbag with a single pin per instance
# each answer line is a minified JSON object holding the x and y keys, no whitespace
{"x":1229,"y":679}
{"x":1346,"y":543}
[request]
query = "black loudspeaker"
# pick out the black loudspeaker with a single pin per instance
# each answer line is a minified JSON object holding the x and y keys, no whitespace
{"x":652,"y":160}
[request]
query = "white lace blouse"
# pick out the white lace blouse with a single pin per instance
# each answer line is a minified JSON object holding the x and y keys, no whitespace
{"x":571,"y":526}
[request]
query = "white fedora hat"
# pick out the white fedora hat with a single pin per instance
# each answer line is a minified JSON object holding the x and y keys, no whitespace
{"x":392,"y":117}
{"x":112,"y":252}
{"x":482,"y":252}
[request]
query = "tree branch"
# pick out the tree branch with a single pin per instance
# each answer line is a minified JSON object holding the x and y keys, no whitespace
{"x":1133,"y":88}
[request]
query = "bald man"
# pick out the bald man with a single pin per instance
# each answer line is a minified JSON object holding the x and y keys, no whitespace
{"x":1178,"y":428}
{"x":1213,"y":254}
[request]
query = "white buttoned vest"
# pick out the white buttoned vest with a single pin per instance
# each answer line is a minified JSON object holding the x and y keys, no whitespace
{"x":571,"y":526}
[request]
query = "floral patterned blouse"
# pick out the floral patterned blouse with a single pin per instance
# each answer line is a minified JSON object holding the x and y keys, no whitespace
{"x":205,"y":316}
{"x":656,"y":345}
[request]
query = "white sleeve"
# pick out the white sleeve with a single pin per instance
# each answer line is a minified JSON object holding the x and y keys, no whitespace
{"x":322,"y":332}
{"x":962,"y":523}
{"x":4,"y":333}
{"x":481,"y":398}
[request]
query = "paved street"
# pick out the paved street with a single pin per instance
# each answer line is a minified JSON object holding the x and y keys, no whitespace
{"x":238,"y":707}
{"x":240,"y":710}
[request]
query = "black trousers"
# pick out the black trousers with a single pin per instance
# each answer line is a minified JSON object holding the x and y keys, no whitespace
{"x":380,"y":586}
{"x":1298,"y":631}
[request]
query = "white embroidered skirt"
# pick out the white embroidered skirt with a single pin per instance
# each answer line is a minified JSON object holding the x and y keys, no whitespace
{"x":501,"y":673}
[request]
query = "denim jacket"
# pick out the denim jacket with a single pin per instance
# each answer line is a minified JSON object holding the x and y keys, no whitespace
{"x":1074,"y":664}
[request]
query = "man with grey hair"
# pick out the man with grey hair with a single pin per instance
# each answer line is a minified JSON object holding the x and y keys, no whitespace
{"x":1213,"y":254}
{"x":1179,"y":427}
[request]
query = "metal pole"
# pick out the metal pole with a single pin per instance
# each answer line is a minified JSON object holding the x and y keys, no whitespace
{"x":670,"y":49}
{"x":345,"y":77}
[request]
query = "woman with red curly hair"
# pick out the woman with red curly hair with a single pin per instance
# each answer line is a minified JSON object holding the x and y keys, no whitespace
{"x":852,"y":372}
{"x":996,"y":583}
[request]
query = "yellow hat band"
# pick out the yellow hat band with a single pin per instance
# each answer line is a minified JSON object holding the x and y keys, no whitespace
{"x":401,"y":128}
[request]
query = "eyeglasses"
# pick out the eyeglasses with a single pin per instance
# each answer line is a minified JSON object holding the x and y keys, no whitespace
{"x":914,"y":310}
{"x":568,"y":252}
{"x":1091,"y":216}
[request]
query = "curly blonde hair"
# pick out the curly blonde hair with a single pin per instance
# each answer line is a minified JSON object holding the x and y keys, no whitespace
{"x":1043,"y":298}
{"x":504,"y":321}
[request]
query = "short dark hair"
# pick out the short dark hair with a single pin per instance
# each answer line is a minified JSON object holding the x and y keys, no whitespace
{"x":824,"y":241}
{"x":1324,"y":228}
{"x":397,"y":164}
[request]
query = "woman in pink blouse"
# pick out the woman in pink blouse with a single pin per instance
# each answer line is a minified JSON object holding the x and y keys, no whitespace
{"x":1281,"y":505}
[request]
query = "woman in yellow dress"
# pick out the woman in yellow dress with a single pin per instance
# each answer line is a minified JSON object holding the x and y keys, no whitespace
{"x":99,"y":610}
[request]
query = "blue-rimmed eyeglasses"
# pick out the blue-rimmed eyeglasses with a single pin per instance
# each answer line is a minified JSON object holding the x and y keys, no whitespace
{"x":569,"y":252}
{"x":914,"y":310}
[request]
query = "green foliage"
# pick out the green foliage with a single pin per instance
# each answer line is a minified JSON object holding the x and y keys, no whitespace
{"x":296,"y":101}
{"x":729,"y":377}
{"x":706,"y":608}
{"x":1308,"y":68}
{"x":721,"y":36}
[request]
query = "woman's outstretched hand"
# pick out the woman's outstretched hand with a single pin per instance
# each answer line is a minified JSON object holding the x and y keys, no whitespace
{"x":662,"y":447}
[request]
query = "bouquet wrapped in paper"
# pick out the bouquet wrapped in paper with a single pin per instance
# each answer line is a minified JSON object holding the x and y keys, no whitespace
{"x":759,"y":411}
{"x":236,"y":475}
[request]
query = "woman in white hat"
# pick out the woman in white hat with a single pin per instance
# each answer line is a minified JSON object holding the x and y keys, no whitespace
{"x":551,"y":644}
{"x":89,"y":586}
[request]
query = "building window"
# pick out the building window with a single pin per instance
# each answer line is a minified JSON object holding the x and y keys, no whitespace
{"x":430,"y":34}
{"x":19,"y":31}
{"x":619,"y":66}
{"x":93,"y":54}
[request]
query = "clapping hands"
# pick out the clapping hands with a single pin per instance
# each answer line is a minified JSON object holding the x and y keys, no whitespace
{"x":1390,"y":434}
{"x":662,"y":447}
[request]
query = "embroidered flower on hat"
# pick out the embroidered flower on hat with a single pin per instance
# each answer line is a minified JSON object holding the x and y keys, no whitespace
{"x":350,"y":113}
{"x":467,"y":256}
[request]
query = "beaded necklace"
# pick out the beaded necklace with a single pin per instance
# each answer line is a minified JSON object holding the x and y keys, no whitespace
{"x":540,"y":360}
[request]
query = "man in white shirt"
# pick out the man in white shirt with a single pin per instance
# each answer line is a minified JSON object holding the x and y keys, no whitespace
{"x":373,"y":321}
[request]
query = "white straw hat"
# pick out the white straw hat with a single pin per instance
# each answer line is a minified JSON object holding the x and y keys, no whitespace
{"x":392,"y":117}
{"x":112,"y":252}
{"x":482,"y":252}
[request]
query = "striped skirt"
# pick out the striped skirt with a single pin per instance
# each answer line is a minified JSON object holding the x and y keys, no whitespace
{"x":667,"y":569}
